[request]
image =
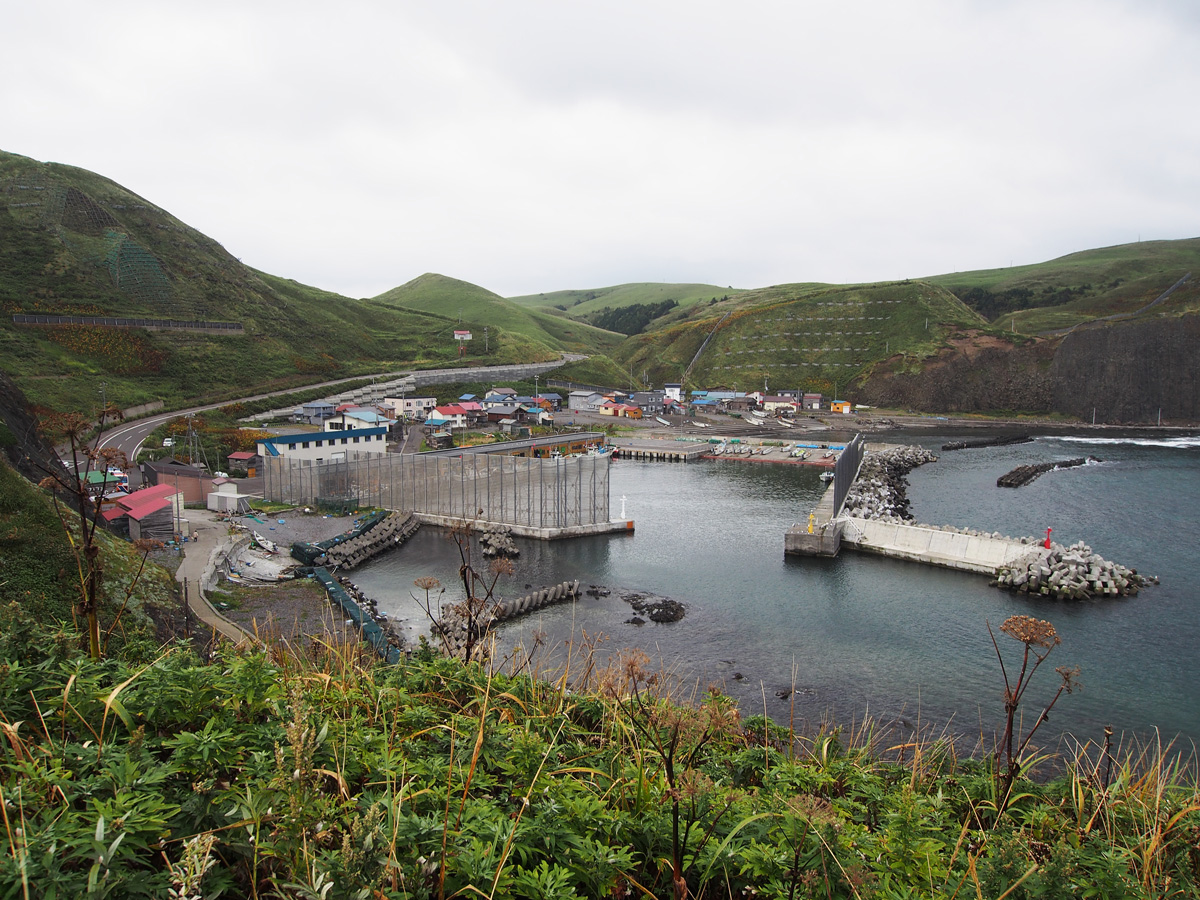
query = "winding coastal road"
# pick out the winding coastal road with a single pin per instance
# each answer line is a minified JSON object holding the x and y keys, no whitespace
{"x":129,"y":437}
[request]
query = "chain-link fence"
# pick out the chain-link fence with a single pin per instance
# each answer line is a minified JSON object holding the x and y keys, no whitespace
{"x":512,"y":490}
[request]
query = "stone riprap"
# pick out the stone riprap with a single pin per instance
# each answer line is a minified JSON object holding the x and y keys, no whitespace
{"x":496,"y":540}
{"x":881,"y":489}
{"x":1070,"y":573}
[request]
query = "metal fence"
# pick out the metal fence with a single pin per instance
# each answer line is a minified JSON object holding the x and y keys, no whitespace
{"x":512,"y":490}
{"x":845,"y":471}
{"x":114,"y":322}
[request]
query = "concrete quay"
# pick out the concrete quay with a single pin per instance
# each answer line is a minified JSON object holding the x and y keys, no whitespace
{"x":932,"y":546}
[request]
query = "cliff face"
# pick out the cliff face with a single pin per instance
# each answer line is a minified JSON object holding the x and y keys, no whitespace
{"x":1129,"y":371}
{"x":20,"y":440}
{"x":970,"y":378}
{"x":1125,"y":371}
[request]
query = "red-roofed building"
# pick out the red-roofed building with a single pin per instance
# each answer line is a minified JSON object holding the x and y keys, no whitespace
{"x":152,"y":512}
{"x":245,"y":461}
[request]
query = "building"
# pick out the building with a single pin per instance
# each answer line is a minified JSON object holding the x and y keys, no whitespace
{"x":325,"y":446}
{"x":245,"y":461}
{"x":193,"y":482}
{"x":584,"y":401}
{"x":649,"y":402}
{"x":453,"y":414}
{"x":226,"y":498}
{"x":811,"y":401}
{"x":779,"y":404}
{"x":840,"y":406}
{"x":412,"y":408}
{"x":499,"y":396}
{"x":317,"y":411}
{"x":674,"y":392}
{"x":355,"y":417}
{"x":153,"y":513}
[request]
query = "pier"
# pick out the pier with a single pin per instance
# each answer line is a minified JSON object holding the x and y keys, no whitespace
{"x":932,"y":546}
{"x":659,"y":451}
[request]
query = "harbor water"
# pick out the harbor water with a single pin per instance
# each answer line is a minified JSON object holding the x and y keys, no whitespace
{"x":863,"y":635}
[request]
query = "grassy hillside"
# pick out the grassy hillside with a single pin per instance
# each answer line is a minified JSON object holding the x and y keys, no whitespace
{"x":583,"y":303}
{"x":38,"y":570}
{"x":803,"y":336}
{"x":1082,"y":286}
{"x":74,"y":243}
{"x":474,"y":308}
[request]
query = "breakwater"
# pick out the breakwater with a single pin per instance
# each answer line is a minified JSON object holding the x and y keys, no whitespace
{"x":1022,"y":475}
{"x":376,"y":533}
{"x":469,"y":619}
{"x":988,"y":442}
{"x":364,"y":615}
{"x":876,"y":519}
{"x":1070,"y":573}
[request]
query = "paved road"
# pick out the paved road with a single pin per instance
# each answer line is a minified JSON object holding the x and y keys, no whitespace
{"x":128,"y":438}
{"x":199,"y":557}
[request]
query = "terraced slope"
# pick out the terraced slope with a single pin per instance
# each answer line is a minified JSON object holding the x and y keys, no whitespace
{"x":814,"y":339}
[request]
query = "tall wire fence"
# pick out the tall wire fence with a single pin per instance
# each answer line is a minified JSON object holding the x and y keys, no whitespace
{"x":845,"y":470}
{"x":512,"y":490}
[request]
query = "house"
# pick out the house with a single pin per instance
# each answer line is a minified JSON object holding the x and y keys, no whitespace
{"x":245,"y":461}
{"x":554,"y":398}
{"x":453,"y":414}
{"x":194,"y":482}
{"x":354,"y":417}
{"x":317,"y":411}
{"x":154,"y":513}
{"x":621,"y":410}
{"x":584,"y":401}
{"x":811,"y":401}
{"x":738,"y":404}
{"x":674,"y":391}
{"x":779,"y":404}
{"x":414,"y":408}
{"x":840,"y":406}
{"x":325,"y":446}
{"x":499,"y":396}
{"x":474,"y":410}
{"x":649,"y":402}
{"x":499,"y":413}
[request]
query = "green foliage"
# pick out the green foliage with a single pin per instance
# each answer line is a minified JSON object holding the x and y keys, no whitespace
{"x":273,"y":775}
{"x":631,"y":319}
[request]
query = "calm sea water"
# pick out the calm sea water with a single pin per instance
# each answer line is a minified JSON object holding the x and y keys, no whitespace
{"x":863,"y":635}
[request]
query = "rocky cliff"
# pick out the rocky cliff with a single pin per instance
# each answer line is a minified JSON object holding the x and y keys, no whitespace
{"x":1125,"y":371}
{"x":1129,"y":371}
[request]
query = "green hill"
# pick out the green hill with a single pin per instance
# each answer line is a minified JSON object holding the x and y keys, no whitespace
{"x":1084,"y":286}
{"x":813,"y":337}
{"x":474,"y":308}
{"x":73,"y":243}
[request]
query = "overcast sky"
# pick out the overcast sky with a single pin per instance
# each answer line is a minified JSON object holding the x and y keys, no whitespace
{"x":535,"y":146}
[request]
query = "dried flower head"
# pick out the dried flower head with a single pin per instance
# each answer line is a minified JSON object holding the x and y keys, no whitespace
{"x":1031,"y":632}
{"x":427,"y":583}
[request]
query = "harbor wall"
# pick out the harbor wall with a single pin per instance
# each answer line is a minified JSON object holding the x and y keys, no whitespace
{"x":951,"y":550}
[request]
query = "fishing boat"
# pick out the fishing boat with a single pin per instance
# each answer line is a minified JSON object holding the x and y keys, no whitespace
{"x":661,"y":421}
{"x":786,"y":424}
{"x":827,"y":476}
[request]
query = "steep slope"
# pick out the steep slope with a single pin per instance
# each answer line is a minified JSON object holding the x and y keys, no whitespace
{"x":803,"y":336}
{"x":73,"y":243}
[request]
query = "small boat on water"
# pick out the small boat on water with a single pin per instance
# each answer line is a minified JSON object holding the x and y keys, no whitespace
{"x":827,"y":476}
